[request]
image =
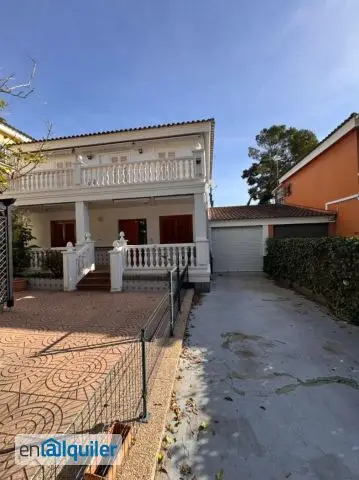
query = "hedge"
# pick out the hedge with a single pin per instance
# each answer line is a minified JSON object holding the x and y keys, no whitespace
{"x":327,"y":266}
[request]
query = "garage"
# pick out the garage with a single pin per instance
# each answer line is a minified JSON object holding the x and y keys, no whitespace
{"x":237,"y":249}
{"x":239,"y":233}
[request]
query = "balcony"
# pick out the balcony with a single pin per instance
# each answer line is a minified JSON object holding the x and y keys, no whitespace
{"x":97,"y":177}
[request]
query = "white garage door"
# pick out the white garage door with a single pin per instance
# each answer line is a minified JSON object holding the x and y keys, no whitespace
{"x":237,"y":249}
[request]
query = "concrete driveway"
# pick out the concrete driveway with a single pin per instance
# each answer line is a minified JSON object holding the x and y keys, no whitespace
{"x":268,"y":389}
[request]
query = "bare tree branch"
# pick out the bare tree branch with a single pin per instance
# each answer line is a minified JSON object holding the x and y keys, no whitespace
{"x":21,"y":90}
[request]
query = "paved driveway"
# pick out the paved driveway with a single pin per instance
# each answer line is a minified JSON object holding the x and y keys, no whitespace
{"x":55,"y":350}
{"x":275,"y":381}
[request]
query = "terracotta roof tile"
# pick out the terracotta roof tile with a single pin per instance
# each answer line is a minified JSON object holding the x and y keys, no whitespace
{"x":146,"y":127}
{"x":254,"y":212}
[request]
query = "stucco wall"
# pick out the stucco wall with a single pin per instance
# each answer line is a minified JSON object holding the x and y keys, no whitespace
{"x":330,"y":176}
{"x":150,"y":151}
{"x":104,"y":221}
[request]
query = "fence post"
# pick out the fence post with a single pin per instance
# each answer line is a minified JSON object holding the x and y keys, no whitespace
{"x":145,"y":414}
{"x":178,"y":289}
{"x":9,"y":265}
{"x":170,"y":298}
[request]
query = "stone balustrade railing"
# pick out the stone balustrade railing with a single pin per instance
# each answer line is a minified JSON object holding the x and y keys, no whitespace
{"x":159,"y":256}
{"x":78,"y":262}
{"x":132,"y":173}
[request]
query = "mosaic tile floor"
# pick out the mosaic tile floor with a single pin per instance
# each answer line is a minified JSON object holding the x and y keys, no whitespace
{"x":55,"y":350}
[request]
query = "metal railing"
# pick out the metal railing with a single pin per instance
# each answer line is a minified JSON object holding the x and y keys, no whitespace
{"x":123,"y":395}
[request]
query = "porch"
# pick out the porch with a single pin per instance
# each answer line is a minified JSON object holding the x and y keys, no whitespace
{"x":161,"y":232}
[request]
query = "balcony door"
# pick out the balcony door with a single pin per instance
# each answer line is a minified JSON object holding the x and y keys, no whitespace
{"x":176,"y":229}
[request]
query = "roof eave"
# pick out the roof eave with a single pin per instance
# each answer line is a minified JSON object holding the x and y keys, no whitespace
{"x":335,"y":136}
{"x":123,"y":132}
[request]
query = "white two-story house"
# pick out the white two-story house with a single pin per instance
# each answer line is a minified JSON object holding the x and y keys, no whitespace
{"x":150,"y":183}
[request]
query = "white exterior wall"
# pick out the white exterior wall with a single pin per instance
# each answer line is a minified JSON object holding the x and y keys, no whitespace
{"x":41,"y":224}
{"x":151,"y":150}
{"x":104,"y":221}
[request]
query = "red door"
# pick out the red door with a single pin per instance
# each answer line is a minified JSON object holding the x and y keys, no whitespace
{"x":62,"y":231}
{"x":176,"y":229}
{"x":131,"y":228}
{"x":135,"y":230}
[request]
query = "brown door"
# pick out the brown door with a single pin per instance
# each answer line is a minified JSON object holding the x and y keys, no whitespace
{"x":176,"y":229}
{"x":62,"y":231}
{"x":135,"y":230}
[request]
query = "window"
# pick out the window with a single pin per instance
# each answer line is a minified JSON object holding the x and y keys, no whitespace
{"x":176,"y":229}
{"x":171,"y":155}
{"x":162,"y":155}
{"x":62,"y":231}
{"x":123,"y":158}
{"x":61,"y":165}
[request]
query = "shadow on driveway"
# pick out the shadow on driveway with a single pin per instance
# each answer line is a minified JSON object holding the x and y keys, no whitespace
{"x":267,"y":387}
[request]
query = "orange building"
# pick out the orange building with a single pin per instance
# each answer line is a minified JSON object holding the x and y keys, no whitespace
{"x":328,"y":178}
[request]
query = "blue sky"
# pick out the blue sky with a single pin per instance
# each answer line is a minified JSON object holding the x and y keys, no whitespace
{"x":114,"y":64}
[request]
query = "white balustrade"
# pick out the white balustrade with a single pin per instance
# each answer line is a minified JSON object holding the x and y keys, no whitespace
{"x":151,"y":171}
{"x":159,"y":256}
{"x":37,"y":258}
{"x":43,"y":180}
{"x":138,"y":173}
{"x":78,"y":262}
{"x":85,"y":257}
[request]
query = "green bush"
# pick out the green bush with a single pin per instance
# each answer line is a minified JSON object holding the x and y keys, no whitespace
{"x":21,"y":237}
{"x":54,"y":262}
{"x":327,"y":266}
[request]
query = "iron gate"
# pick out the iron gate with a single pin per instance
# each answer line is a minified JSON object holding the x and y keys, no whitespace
{"x":6,"y":267}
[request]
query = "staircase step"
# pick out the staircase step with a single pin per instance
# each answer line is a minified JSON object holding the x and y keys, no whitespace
{"x":93,"y":286}
{"x":94,"y":281}
{"x":98,"y":275}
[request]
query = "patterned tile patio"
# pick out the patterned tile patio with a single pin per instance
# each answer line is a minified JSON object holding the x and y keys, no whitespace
{"x":55,"y":350}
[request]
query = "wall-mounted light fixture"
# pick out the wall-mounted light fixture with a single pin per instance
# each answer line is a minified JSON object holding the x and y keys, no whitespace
{"x":140,"y":150}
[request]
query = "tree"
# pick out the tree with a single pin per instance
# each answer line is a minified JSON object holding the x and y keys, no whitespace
{"x":278,"y":149}
{"x":14,"y":161}
{"x":21,"y":238}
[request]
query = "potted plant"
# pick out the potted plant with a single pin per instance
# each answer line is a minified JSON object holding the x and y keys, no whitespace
{"x":21,"y":256}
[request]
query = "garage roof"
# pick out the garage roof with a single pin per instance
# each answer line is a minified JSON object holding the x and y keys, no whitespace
{"x":252,"y":212}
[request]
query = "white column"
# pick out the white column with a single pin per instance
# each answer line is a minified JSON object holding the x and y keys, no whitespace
{"x":117,"y":262}
{"x":82,"y":221}
{"x":265,"y":235}
{"x":69,"y":266}
{"x":78,"y":166}
{"x":200,"y":230}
